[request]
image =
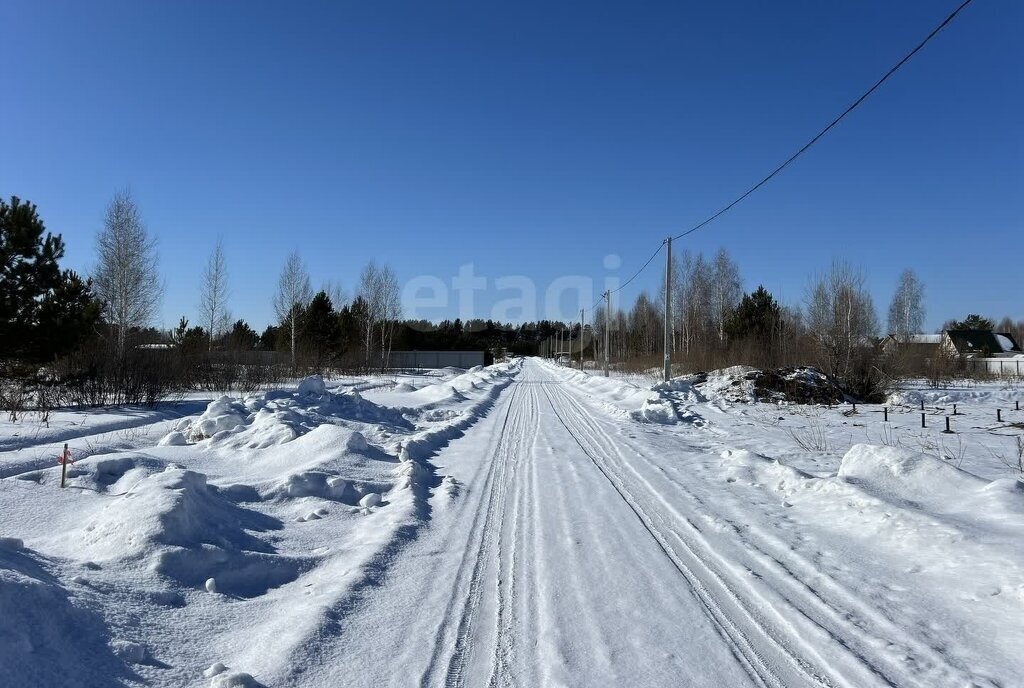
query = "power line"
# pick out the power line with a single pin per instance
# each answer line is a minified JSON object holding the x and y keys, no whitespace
{"x":833,"y":123}
{"x":626,"y":283}
{"x":800,"y":152}
{"x":637,"y":273}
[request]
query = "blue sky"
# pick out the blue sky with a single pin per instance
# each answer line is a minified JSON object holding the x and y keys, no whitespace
{"x":527,"y":139}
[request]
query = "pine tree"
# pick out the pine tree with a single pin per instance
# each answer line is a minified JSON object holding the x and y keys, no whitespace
{"x":756,"y":317}
{"x":972,"y":322}
{"x":43,"y":311}
{"x":241,"y":337}
{"x":321,"y":330}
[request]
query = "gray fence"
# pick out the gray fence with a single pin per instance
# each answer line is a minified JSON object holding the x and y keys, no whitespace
{"x":436,"y":359}
{"x":1002,"y":367}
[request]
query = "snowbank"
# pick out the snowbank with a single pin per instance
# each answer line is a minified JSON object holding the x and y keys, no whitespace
{"x":922,"y":481}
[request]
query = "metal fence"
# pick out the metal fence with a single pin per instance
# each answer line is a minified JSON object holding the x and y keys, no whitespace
{"x":437,"y":359}
{"x":1001,"y":367}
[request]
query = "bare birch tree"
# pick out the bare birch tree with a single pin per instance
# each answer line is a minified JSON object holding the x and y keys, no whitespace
{"x":727,"y":289}
{"x":293,"y":295}
{"x":644,"y":325}
{"x":906,"y":311}
{"x":389,"y":294}
{"x":336,"y":293}
{"x":841,"y":318}
{"x":696,"y":294}
{"x":126,"y":277}
{"x":368,"y":282}
{"x":215,"y":293}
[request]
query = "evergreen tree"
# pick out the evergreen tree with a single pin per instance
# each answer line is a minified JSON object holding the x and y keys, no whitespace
{"x":67,"y":317}
{"x":320,"y":330}
{"x":43,"y":311}
{"x":241,"y":337}
{"x":756,"y":317}
{"x":270,"y":338}
{"x":972,"y":322}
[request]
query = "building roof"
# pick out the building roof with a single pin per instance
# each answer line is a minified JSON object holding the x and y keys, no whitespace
{"x":1007,"y":341}
{"x":915,"y":339}
{"x":978,"y":341}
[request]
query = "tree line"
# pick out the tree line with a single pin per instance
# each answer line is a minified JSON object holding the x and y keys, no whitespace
{"x":66,"y":338}
{"x":835,"y":327}
{"x":89,"y":339}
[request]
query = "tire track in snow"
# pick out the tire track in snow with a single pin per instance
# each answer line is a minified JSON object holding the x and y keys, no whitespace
{"x":853,"y":628}
{"x":782,"y":671}
{"x":468,"y":570}
{"x":468,"y":593}
{"x":509,"y":552}
{"x":839,"y":615}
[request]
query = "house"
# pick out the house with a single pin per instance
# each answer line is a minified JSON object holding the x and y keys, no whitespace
{"x":980,"y":344}
{"x":921,"y":346}
{"x":956,"y":343}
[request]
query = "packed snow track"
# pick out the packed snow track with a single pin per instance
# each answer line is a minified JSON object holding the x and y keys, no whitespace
{"x":516,"y":525}
{"x":579,"y":555}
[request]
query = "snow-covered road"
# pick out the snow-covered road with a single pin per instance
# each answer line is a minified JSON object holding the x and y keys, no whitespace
{"x":586,"y":551}
{"x":516,"y":525}
{"x":540,"y":573}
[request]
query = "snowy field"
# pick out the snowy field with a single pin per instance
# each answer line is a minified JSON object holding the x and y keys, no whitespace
{"x":521,"y":524}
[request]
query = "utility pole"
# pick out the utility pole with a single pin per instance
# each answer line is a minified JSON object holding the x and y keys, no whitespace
{"x":607,"y":326}
{"x":581,"y":340}
{"x":570,"y":345}
{"x":668,"y":309}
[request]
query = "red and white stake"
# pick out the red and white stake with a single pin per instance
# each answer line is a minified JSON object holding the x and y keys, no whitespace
{"x":64,"y":459}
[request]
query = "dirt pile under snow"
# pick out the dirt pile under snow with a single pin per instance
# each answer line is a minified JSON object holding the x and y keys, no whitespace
{"x":745,"y":385}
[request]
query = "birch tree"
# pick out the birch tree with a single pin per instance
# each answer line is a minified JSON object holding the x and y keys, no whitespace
{"x":126,"y":277}
{"x":389,"y":295}
{"x":727,"y":290}
{"x":841,"y":318}
{"x":214,"y":296}
{"x":293,"y":295}
{"x":906,"y":311}
{"x":336,"y":293}
{"x":368,"y":280}
{"x":697,"y":301}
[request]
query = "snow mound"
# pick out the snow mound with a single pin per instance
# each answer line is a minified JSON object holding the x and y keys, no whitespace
{"x":234,"y":680}
{"x":357,"y":442}
{"x":187,"y":530}
{"x":221,"y":415}
{"x":312,"y":386}
{"x":277,"y":417}
{"x":311,"y":484}
{"x":905,"y":474}
{"x":133,"y":653}
{"x":923,"y":481}
{"x":669,"y":404}
{"x":174,"y":439}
